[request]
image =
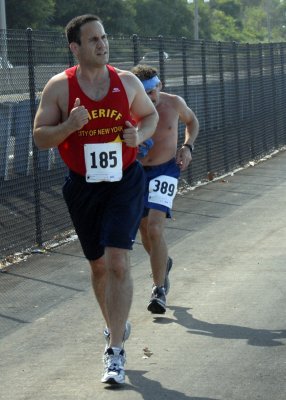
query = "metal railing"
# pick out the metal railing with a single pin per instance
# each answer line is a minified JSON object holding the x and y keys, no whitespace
{"x":236,"y":90}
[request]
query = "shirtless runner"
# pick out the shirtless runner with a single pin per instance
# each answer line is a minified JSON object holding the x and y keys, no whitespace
{"x":162,"y":164}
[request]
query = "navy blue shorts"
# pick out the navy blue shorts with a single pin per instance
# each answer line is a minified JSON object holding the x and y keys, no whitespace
{"x":106,"y":213}
{"x":170,"y":168}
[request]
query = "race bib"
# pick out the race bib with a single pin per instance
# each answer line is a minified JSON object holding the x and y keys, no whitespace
{"x":162,"y":190}
{"x":103,"y":161}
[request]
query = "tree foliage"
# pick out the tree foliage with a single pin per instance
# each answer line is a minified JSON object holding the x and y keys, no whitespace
{"x":226,"y":20}
{"x":163,"y":17}
{"x":118,"y":15}
{"x":36,"y":14}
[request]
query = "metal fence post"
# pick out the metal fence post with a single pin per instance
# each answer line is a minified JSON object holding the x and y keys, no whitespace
{"x":283,"y":97}
{"x":273,"y":84}
{"x":32,"y":90}
{"x":161,"y":61}
{"x":186,"y":92}
{"x":185,"y":69}
{"x":222,"y":101}
{"x":237,"y":99}
{"x":136,"y":57}
{"x":250,"y":101}
{"x":206,"y":105}
{"x":262,"y":98}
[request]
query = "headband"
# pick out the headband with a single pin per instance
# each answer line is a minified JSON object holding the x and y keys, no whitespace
{"x":150,"y":84}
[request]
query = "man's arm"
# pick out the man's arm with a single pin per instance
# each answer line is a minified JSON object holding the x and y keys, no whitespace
{"x":142,"y":110}
{"x":188,"y":117}
{"x":51,"y":124}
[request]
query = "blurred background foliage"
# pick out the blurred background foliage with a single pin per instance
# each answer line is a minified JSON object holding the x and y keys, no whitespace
{"x":249,"y":21}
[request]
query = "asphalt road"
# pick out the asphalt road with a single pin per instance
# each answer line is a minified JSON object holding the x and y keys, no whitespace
{"x":223,"y":336}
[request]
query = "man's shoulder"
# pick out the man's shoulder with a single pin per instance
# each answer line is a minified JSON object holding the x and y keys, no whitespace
{"x":125,"y":74}
{"x":118,"y":70}
{"x":176,"y":100}
{"x":59,"y":78}
{"x":170,"y":98}
{"x":129,"y":80}
{"x":57,"y":84}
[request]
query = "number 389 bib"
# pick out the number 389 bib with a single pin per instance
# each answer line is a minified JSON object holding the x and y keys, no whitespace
{"x":103,"y":161}
{"x":162,"y":190}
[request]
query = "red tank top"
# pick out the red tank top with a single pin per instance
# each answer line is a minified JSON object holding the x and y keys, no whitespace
{"x":107,"y":119}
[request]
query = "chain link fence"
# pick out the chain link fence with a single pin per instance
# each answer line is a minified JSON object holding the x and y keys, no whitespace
{"x":236,"y":90}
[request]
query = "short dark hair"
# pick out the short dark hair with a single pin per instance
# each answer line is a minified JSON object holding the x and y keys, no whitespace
{"x":144,"y":72}
{"x":72,"y":29}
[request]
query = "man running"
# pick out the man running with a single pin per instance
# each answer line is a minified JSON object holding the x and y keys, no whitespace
{"x":162,"y":164}
{"x":97,"y":116}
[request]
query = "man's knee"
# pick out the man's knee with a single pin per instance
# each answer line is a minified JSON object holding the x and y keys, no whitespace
{"x":98,"y":269}
{"x":117,"y":262}
{"x":155,"y":230}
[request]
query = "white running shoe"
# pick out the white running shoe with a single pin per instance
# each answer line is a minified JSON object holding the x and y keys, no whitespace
{"x":113,"y":360}
{"x":106,"y":334}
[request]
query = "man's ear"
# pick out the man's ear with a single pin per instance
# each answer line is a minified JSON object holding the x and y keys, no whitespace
{"x":74,"y":48}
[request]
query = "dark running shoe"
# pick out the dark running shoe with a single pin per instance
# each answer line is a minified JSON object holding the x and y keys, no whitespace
{"x":157,"y":303}
{"x":167,"y":280}
{"x":113,"y":360}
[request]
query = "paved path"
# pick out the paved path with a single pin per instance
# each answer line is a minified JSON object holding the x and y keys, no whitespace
{"x":223,"y":336}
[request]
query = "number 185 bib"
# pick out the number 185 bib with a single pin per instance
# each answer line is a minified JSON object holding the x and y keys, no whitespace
{"x":103,"y":161}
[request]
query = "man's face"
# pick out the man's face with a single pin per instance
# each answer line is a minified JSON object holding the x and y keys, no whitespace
{"x":154,"y":94}
{"x":94,"y":47}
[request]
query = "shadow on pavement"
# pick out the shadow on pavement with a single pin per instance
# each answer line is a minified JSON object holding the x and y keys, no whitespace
{"x":148,"y":388}
{"x":25,"y":277}
{"x":254,"y":337}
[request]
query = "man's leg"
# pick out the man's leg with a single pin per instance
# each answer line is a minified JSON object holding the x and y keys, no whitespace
{"x":98,"y":280}
{"x":116,"y":297}
{"x":143,"y":228}
{"x":152,"y":235}
{"x":112,"y":284}
{"x":118,"y":292}
{"x":113,"y":288}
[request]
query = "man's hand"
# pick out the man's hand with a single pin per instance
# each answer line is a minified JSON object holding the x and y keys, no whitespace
{"x":78,"y":116}
{"x":183,"y":158}
{"x":131,"y":135}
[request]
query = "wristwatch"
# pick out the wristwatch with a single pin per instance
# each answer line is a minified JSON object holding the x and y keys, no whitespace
{"x":190,"y":146}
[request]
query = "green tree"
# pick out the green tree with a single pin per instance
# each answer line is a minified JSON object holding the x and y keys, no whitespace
{"x":228,"y":7}
{"x":277,"y":21}
{"x":117,"y":15}
{"x":35,"y":14}
{"x":265,"y":21}
{"x":254,"y":25}
{"x":163,"y":17}
{"x":224,"y":27}
{"x":225,"y":20}
{"x":205,"y":25}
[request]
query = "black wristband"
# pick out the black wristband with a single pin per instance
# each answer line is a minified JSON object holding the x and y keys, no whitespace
{"x":190,"y":146}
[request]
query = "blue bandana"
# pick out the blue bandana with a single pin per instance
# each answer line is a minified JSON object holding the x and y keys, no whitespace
{"x":150,"y":84}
